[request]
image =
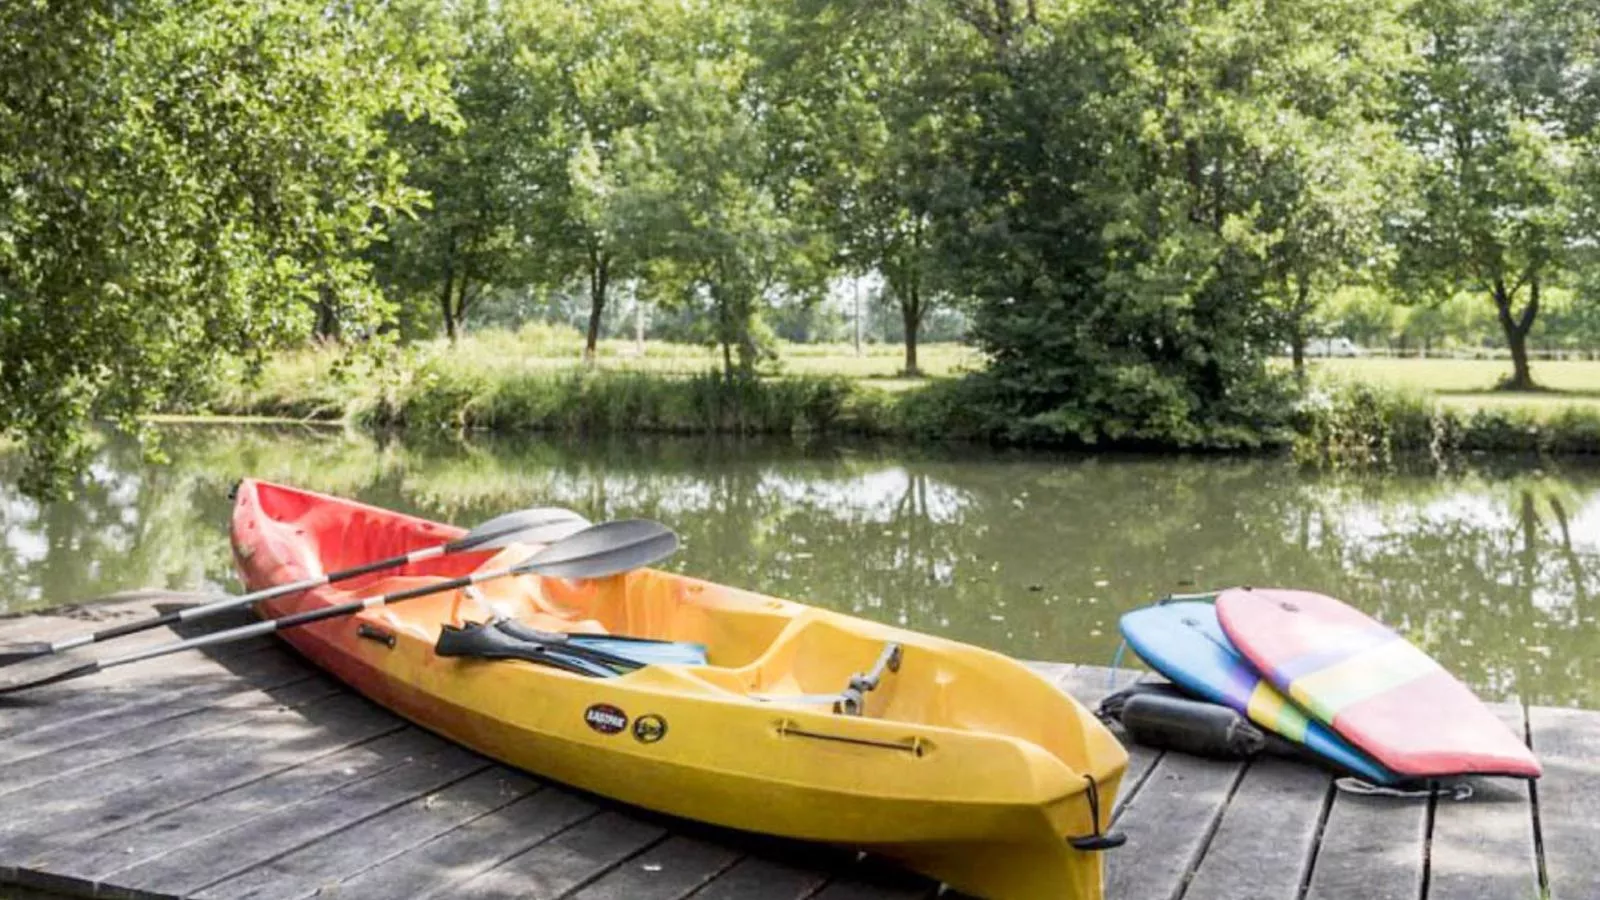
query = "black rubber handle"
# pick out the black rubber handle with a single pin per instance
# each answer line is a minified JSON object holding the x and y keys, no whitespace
{"x":1094,"y":843}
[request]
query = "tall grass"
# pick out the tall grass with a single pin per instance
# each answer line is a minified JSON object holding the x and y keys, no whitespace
{"x":600,"y":402}
{"x":532,"y":379}
{"x":1362,"y":425}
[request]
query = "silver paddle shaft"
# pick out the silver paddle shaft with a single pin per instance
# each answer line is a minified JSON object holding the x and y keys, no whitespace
{"x":302,"y":618}
{"x":224,"y":604}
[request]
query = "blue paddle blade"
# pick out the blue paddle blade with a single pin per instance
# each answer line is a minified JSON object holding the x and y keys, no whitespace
{"x":682,"y":653}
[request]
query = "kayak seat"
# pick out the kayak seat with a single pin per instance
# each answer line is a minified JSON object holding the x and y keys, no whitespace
{"x":735,"y":627}
{"x":813,"y":662}
{"x":852,"y":699}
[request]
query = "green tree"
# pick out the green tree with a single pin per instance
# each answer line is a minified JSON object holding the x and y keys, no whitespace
{"x":1150,"y":175}
{"x":596,"y":63}
{"x":1364,"y":314}
{"x":180,"y":181}
{"x":1324,"y":219}
{"x":482,"y":170}
{"x":1487,"y":114}
{"x":715,"y":206}
{"x":880,"y":95}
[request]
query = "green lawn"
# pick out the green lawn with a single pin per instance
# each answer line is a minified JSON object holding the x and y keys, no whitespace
{"x":316,"y":379}
{"x":325,"y":381}
{"x":876,"y":361}
{"x":1469,"y":383}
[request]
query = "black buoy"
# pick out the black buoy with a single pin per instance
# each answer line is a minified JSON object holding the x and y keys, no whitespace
{"x":1167,"y":721}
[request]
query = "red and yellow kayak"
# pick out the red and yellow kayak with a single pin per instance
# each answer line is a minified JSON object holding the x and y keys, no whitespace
{"x":962,"y":764}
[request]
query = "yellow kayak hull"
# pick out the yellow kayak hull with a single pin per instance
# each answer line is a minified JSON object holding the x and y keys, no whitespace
{"x":965,"y":765}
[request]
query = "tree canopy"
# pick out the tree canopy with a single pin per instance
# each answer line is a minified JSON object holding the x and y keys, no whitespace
{"x":181,"y":181}
{"x":1132,"y":205}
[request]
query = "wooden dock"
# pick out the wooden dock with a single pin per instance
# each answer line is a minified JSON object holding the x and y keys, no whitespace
{"x":245,"y":773}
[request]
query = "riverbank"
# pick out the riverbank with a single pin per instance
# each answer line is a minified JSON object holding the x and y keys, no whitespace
{"x":1362,"y":424}
{"x":534,"y":380}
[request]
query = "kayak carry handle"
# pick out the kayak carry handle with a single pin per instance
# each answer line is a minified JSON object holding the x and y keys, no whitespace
{"x":1099,"y":840}
{"x":914,"y":745}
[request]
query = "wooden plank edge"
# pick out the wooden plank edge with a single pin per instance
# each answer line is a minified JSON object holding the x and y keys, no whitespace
{"x":1210,"y":833}
{"x":1316,"y":838}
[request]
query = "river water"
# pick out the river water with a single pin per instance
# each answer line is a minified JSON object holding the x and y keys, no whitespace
{"x":1495,"y":569}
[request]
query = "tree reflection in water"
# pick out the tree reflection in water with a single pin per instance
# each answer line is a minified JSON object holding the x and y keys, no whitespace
{"x":1493,"y":571}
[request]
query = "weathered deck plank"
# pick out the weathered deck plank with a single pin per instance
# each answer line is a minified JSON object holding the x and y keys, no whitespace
{"x":257,"y":842}
{"x":86,"y":792}
{"x":674,"y":868}
{"x":124,"y":690}
{"x":377,"y":840}
{"x":474,"y":860}
{"x":1483,"y":847}
{"x":1267,"y":838}
{"x":1372,"y":847}
{"x":1170,"y":821}
{"x":53,"y":736}
{"x":569,"y":860}
{"x":110,"y":738}
{"x":142,"y":842}
{"x":758,"y":878}
{"x":244,"y":773}
{"x":210,"y":765}
{"x":1568,"y":744}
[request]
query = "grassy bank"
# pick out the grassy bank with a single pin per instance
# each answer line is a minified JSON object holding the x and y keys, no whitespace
{"x":1468,"y":385}
{"x":535,"y":379}
{"x":1358,"y":411}
{"x":1367,"y":424}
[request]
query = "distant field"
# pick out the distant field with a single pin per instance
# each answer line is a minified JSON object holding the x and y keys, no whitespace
{"x":315,"y":381}
{"x":876,"y":361}
{"x":324,"y":382}
{"x":879,"y":363}
{"x":1469,"y":383}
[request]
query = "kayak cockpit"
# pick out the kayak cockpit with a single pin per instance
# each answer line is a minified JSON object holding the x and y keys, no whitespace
{"x":757,"y":649}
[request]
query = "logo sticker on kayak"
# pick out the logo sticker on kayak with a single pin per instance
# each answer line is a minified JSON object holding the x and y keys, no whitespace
{"x":605,"y":718}
{"x":649,"y":729}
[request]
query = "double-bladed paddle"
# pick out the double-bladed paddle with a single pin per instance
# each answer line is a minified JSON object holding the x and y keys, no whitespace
{"x":539,"y":525}
{"x":595,"y":552}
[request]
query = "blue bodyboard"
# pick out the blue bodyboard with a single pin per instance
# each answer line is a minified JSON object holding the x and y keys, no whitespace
{"x":1184,"y":642}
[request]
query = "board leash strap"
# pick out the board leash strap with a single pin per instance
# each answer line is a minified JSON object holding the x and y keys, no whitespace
{"x":1122,"y":645}
{"x":1458,"y":790}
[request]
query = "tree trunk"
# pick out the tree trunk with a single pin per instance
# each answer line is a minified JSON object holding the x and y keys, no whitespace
{"x":724,"y":334}
{"x":327,"y":327}
{"x":447,"y":303}
{"x":599,"y":280}
{"x":1297,"y":326}
{"x":1516,"y":327}
{"x":749,"y":353}
{"x":462,"y":300}
{"x":911,"y":315}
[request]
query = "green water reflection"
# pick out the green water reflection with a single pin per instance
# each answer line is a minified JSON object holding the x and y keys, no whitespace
{"x":1494,"y":572}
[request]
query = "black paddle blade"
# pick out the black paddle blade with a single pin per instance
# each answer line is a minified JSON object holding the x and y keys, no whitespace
{"x":604,"y":549}
{"x":15,"y":653}
{"x":52,"y":678}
